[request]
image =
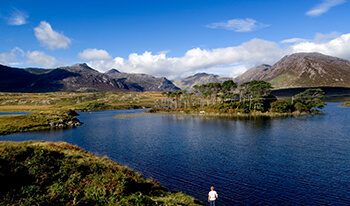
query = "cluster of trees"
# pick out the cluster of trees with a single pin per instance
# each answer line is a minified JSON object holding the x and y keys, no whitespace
{"x":247,"y":97}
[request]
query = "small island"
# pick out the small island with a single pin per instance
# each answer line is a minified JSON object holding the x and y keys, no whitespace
{"x":252,"y":98}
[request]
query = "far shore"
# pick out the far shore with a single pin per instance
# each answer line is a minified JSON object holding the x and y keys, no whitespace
{"x":204,"y":113}
{"x":346,"y":104}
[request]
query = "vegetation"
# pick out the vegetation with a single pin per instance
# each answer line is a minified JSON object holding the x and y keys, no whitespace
{"x":17,"y":102}
{"x":38,"y":121}
{"x":44,"y":173}
{"x":54,"y":110}
{"x":253,"y":98}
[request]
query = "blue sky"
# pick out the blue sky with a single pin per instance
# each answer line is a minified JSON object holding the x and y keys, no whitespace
{"x":171,"y":38}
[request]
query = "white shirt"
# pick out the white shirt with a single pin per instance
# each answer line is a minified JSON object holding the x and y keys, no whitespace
{"x":213,"y":195}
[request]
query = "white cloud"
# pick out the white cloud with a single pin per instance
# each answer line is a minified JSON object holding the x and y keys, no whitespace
{"x":41,"y":59}
{"x":238,"y":25}
{"x":324,"y":7}
{"x":229,"y":61}
{"x":11,"y":57}
{"x":250,"y":53}
{"x":17,"y":18}
{"x":94,"y":54}
{"x":339,"y":47}
{"x":50,"y":38}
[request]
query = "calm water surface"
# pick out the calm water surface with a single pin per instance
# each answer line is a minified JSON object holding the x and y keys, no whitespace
{"x":257,"y":161}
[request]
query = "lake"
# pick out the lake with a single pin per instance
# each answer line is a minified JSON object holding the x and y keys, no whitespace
{"x":252,"y":161}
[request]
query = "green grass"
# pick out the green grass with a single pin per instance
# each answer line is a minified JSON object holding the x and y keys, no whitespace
{"x":44,"y":173}
{"x":37,"y":121}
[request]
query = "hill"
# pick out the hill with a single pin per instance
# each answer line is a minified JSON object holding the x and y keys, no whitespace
{"x":302,"y":70}
{"x":199,"y":79}
{"x":45,"y":173}
{"x":79,"y":77}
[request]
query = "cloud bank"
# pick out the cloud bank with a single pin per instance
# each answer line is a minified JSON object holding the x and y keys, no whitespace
{"x":229,"y":61}
{"x":11,"y":57}
{"x":324,"y":7}
{"x":50,"y":38}
{"x":34,"y":58}
{"x":41,"y":59}
{"x":238,"y":25}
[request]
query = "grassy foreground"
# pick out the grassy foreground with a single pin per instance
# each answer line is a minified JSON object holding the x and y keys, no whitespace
{"x":44,"y":173}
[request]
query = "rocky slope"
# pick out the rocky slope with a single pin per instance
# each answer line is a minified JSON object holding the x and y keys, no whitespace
{"x":302,"y":70}
{"x":142,"y":82}
{"x":199,"y":79}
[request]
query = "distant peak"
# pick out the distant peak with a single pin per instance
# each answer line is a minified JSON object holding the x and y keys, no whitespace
{"x":307,"y":54}
{"x":80,"y":65}
{"x":201,"y":74}
{"x":112,"y":71}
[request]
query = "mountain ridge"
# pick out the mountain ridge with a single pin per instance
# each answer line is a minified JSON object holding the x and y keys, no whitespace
{"x":199,"y":79}
{"x":302,"y":70}
{"x":78,"y":77}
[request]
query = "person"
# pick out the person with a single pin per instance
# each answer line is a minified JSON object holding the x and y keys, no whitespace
{"x":212,"y":196}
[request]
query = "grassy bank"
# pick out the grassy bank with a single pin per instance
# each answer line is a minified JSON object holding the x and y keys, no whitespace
{"x":94,"y":101}
{"x":50,"y":109}
{"x":38,"y":121}
{"x":346,"y":104}
{"x":44,"y":173}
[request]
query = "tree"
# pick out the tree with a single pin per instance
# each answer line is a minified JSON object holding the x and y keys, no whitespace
{"x":309,"y":101}
{"x":282,"y":106}
{"x":258,"y":94}
{"x":227,"y":89}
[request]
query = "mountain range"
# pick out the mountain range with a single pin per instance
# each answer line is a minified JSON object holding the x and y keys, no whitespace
{"x":79,"y":77}
{"x":300,"y":70}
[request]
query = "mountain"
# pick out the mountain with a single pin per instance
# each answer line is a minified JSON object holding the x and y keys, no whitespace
{"x":199,"y":79}
{"x":302,"y":70}
{"x":73,"y":78}
{"x":142,"y":82}
{"x":254,"y":73}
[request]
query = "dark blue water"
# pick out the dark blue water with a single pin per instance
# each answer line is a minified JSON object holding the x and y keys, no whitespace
{"x":13,"y":113}
{"x":255,"y":161}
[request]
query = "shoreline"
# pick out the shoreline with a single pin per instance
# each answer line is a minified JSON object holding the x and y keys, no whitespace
{"x":231,"y":114}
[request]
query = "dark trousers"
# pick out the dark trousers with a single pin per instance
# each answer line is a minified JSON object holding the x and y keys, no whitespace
{"x":212,"y":202}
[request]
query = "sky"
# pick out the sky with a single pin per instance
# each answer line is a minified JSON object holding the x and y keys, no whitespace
{"x":170,"y":38}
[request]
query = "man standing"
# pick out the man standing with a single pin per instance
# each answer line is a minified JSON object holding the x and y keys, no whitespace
{"x":213,"y":195}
